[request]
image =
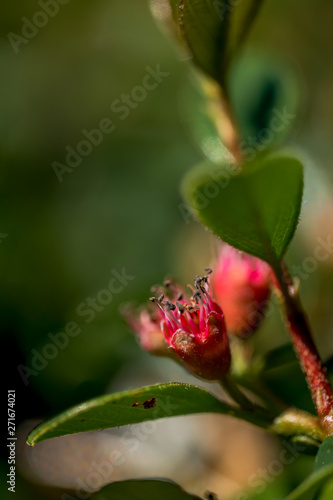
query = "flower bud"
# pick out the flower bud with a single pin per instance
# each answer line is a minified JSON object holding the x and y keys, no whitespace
{"x":195,"y":331}
{"x":146,"y":324}
{"x":191,"y":329}
{"x":241,"y":285}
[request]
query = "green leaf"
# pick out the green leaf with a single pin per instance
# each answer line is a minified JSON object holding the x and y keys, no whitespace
{"x":256,"y":210}
{"x":214,"y":30}
{"x":327,"y":492}
{"x":264,"y":95}
{"x":325,"y":454}
{"x":275,"y":369}
{"x":138,"y":405}
{"x":275,"y":358}
{"x":175,"y":8}
{"x":143,"y":489}
{"x":322,"y":474}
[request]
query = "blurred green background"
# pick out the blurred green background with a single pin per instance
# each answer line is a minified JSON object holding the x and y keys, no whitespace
{"x":119,"y":207}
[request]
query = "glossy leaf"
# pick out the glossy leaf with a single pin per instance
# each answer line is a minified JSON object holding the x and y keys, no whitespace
{"x":143,"y":489}
{"x":137,"y":405}
{"x":214,"y":30}
{"x":256,"y":211}
{"x":325,"y":454}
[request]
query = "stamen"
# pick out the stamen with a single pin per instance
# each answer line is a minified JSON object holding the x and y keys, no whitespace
{"x":169,"y":306}
{"x":198,"y":283}
{"x":174,"y":324}
{"x":181,"y":308}
{"x":192,"y":325}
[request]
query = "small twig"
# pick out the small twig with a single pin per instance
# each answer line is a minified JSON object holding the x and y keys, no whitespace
{"x":305,"y":348}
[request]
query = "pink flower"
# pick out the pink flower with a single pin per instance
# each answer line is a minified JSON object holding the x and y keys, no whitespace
{"x":189,"y":328}
{"x":146,"y":324}
{"x":241,"y":284}
{"x":194,"y":329}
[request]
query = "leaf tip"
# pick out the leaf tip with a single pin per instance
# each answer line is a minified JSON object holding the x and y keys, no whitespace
{"x":30,"y":442}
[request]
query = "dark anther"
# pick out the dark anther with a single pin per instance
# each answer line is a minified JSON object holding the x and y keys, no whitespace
{"x":161,"y":297}
{"x":208,"y":270}
{"x":180,"y":306}
{"x":169,"y":305}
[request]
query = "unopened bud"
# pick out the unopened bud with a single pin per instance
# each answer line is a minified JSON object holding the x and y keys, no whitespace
{"x":241,"y":285}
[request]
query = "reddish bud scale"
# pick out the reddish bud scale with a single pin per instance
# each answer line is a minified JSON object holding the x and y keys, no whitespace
{"x":241,"y":284}
{"x":207,"y":355}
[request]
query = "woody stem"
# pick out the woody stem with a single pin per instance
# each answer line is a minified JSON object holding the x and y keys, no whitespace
{"x":306,"y":350}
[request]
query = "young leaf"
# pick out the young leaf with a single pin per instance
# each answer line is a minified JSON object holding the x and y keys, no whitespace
{"x":138,"y":405}
{"x":143,"y":489}
{"x":214,"y":30}
{"x":256,"y":210}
